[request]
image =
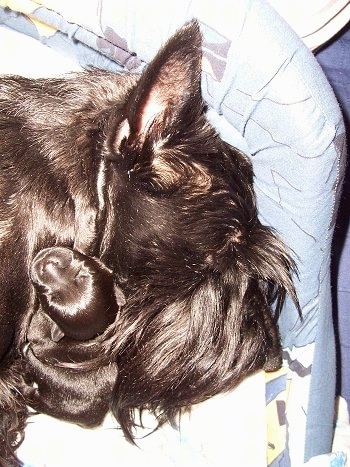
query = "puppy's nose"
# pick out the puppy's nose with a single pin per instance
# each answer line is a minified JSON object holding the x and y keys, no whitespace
{"x":59,"y":259}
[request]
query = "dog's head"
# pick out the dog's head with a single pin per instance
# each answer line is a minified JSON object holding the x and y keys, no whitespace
{"x":202,"y":275}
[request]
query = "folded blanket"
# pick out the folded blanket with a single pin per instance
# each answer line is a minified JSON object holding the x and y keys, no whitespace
{"x":74,"y":30}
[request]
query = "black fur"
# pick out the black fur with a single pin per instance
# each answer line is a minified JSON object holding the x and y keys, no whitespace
{"x":78,"y":299}
{"x":82,"y":397}
{"x":127,"y":169}
{"x":78,"y":292}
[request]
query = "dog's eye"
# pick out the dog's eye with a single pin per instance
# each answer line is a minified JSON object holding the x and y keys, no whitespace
{"x":171,"y":173}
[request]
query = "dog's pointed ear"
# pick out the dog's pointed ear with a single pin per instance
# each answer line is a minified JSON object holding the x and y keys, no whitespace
{"x":168,"y":90}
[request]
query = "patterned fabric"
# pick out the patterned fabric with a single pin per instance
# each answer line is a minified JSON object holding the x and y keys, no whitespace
{"x":267,"y":95}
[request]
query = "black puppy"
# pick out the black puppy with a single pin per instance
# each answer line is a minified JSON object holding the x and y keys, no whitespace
{"x":50,"y":386}
{"x":127,"y":169}
{"x":78,"y":299}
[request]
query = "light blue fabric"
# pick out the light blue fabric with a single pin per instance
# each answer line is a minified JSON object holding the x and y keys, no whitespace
{"x":280,"y":101}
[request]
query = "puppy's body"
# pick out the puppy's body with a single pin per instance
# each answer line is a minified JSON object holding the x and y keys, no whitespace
{"x":81,"y":397}
{"x":127,"y":169}
{"x":78,"y":300}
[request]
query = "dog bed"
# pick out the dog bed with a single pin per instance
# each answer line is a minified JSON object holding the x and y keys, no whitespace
{"x":267,"y":95}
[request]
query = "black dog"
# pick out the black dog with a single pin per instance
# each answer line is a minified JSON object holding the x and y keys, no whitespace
{"x":127,"y":169}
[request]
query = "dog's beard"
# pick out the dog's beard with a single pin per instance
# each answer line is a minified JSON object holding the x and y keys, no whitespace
{"x":192,"y":336}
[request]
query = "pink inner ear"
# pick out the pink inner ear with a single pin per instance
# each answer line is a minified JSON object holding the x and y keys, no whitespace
{"x":123,"y":131}
{"x":153,"y":106}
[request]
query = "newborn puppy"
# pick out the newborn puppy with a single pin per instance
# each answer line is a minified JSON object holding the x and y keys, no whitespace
{"x":78,"y":301}
{"x":76,"y":291}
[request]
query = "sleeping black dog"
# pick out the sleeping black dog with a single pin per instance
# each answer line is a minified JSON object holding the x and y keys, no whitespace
{"x":127,"y":169}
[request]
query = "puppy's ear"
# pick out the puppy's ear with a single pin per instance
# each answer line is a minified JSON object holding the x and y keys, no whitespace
{"x":167,"y":92}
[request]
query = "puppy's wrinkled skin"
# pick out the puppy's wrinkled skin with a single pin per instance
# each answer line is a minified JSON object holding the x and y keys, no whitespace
{"x":127,"y":169}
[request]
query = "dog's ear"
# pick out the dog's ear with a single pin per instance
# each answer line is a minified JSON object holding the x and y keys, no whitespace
{"x":166,"y":96}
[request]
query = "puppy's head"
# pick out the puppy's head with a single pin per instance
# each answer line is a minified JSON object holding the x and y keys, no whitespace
{"x":76,"y":291}
{"x":202,"y":276}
